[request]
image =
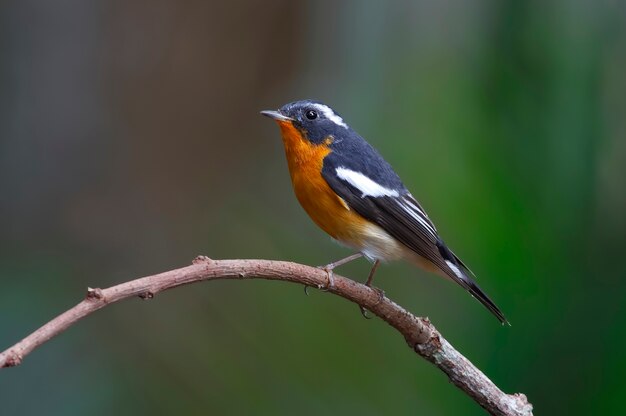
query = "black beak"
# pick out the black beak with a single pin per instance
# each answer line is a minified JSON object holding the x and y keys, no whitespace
{"x":276,"y":115}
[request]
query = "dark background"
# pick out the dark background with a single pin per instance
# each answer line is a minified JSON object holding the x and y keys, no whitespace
{"x":130,"y":142}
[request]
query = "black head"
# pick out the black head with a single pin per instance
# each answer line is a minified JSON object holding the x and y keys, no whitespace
{"x":316,"y":120}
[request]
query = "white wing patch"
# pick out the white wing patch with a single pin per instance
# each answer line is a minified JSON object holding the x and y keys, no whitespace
{"x":368,"y":187}
{"x":364,"y":184}
{"x":330,"y":114}
{"x":455,"y":270}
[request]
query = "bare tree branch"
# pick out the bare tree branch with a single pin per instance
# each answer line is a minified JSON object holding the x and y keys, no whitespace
{"x":419,"y":333}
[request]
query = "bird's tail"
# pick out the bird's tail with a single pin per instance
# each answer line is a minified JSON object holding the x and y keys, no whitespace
{"x":460,"y":273}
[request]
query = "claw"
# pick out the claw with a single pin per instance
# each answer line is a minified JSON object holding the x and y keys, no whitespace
{"x":331,"y":281}
{"x":381,"y":297}
{"x":364,"y":312}
{"x":329,"y":271}
{"x":381,"y":294}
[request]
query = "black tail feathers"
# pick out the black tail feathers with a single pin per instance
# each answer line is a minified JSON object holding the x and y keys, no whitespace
{"x":460,"y":273}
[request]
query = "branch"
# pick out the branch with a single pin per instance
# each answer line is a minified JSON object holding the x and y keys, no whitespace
{"x":419,"y":333}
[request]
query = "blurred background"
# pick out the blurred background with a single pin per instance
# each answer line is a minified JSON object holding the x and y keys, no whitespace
{"x":130,"y":142}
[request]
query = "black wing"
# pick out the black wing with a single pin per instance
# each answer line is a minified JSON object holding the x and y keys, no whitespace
{"x":402,"y":217}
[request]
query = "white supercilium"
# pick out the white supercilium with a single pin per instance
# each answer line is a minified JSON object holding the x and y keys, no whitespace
{"x":330,"y":114}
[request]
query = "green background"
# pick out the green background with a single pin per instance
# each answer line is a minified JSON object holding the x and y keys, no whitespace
{"x":130,"y":142}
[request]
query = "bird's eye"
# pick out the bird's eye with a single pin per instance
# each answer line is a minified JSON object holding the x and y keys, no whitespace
{"x":311,"y":114}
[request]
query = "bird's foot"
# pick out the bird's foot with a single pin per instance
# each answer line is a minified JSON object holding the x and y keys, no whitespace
{"x":380,"y":292}
{"x":329,"y":271}
{"x":381,"y":297}
{"x":331,"y":280}
{"x":364,"y":312}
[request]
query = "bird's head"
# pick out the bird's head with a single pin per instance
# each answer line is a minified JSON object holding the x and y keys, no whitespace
{"x":316,"y":122}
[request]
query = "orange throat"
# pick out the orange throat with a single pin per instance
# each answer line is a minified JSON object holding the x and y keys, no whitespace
{"x":299,"y":150}
{"x":324,"y":206}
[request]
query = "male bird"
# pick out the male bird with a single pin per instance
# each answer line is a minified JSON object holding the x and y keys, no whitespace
{"x":354,"y":195}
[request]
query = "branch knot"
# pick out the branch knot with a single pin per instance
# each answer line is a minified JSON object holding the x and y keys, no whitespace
{"x":201,"y":259}
{"x":13,"y":359}
{"x":94,"y":293}
{"x":146,"y":295}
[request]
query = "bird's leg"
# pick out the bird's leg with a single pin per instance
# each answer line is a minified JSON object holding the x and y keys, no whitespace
{"x":381,"y":294}
{"x":370,"y":277}
{"x":335,"y":264}
{"x":329,"y":270}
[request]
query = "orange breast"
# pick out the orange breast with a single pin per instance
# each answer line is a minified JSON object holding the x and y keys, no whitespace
{"x":325,"y":208}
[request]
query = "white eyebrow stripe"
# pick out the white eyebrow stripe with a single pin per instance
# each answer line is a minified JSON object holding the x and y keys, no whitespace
{"x":418,"y":216}
{"x":330,"y":114}
{"x":365,"y":185}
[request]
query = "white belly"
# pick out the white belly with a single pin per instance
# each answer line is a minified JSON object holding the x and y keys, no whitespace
{"x":378,"y":244}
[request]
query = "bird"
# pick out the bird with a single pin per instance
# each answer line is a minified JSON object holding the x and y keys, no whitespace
{"x":356,"y":197}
